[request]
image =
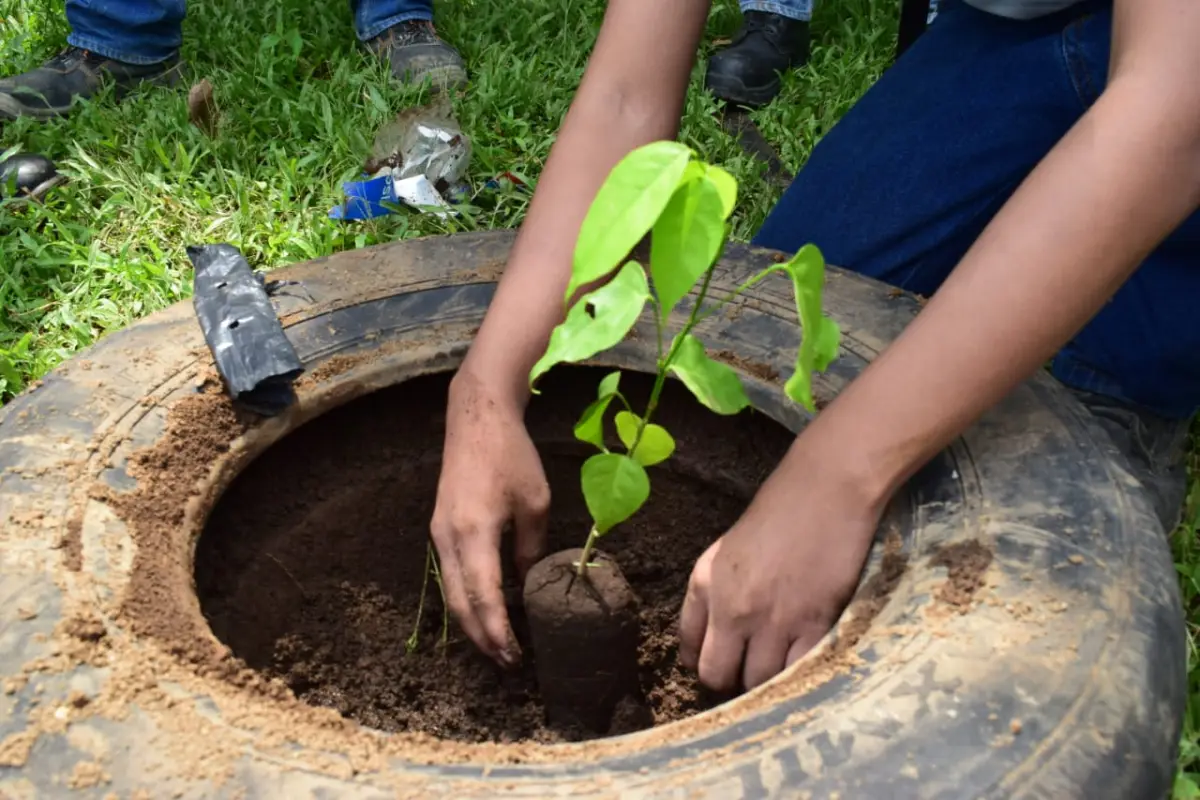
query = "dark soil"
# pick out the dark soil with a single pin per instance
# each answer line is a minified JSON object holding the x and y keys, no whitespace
{"x":310,"y":567}
{"x":584,"y":630}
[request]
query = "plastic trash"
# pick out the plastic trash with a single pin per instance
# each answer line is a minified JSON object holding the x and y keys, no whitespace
{"x":28,"y":176}
{"x":253,"y":355}
{"x":420,"y":143}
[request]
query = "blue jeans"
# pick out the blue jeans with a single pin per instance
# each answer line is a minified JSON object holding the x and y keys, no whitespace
{"x":903,"y":184}
{"x":800,"y":9}
{"x":150,"y":31}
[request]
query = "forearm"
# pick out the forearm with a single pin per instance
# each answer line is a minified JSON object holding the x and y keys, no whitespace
{"x":615,"y":110}
{"x":1114,"y":187}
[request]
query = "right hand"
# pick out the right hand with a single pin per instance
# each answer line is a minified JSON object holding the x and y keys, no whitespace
{"x":491,"y":476}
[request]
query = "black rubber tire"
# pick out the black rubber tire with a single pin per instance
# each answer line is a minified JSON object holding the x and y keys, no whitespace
{"x":1064,"y":679}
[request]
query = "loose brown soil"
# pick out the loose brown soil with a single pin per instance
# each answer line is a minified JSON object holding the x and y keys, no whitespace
{"x":584,"y":630}
{"x":310,"y":567}
{"x":965,"y":563}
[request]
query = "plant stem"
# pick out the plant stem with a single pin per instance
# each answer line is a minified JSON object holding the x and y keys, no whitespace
{"x":437,"y":576}
{"x":593,"y":535}
{"x":661,"y":378}
{"x":413,"y":640}
{"x":724,"y":301}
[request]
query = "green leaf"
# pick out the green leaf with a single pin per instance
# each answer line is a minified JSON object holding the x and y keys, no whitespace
{"x":590,"y":427}
{"x":656,"y":445}
{"x":597,"y":321}
{"x":714,"y":384}
{"x":726,"y":186}
{"x":686,"y":241}
{"x":820,"y":336}
{"x":614,"y":487}
{"x":625,"y":208}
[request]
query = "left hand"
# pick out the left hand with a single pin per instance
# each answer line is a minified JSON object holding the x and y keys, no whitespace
{"x":767,"y":591}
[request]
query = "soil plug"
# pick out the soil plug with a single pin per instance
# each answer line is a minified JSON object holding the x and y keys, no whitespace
{"x":585,"y":638}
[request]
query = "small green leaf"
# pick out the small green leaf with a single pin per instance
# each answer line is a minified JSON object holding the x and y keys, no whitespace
{"x":597,"y":321}
{"x":614,"y":487}
{"x":686,"y":241}
{"x":656,"y":445}
{"x":590,"y":427}
{"x":608,"y":385}
{"x":726,"y":186}
{"x":820,"y":335}
{"x":714,"y":384}
{"x":625,"y":208}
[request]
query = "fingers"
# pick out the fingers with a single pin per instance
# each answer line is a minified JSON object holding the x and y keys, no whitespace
{"x":530,"y":513}
{"x":452,"y":585}
{"x":720,"y":663}
{"x":470,"y":565}
{"x":479,"y":557}
{"x":798,"y":649}
{"x":693,"y":621}
{"x":693,"y":618}
{"x":765,"y":657}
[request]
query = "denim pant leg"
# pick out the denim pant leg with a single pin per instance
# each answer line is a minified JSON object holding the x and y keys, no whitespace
{"x":373,"y":17}
{"x":792,"y":9}
{"x":133,"y":31}
{"x":906,"y":181}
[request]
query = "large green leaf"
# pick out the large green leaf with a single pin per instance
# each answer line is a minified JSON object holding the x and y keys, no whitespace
{"x":655,"y":446}
{"x":590,"y":427}
{"x":714,"y":384}
{"x":686,"y":240}
{"x":597,"y":321}
{"x":625,"y":208}
{"x":726,"y":186}
{"x":820,"y":335}
{"x":614,"y":488}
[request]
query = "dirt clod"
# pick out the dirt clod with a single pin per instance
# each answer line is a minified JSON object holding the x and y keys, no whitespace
{"x":966,"y":563}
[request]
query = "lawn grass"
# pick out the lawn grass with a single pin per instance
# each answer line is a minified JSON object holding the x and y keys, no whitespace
{"x":300,"y":103}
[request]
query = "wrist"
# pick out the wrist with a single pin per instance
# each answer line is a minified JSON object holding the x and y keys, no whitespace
{"x":495,"y":381}
{"x":842,"y":459}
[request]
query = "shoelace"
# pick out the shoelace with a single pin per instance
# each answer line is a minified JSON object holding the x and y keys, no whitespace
{"x":769,"y":27}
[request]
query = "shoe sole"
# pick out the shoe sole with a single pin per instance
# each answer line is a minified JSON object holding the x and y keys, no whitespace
{"x":734,"y":91}
{"x":12,"y":110}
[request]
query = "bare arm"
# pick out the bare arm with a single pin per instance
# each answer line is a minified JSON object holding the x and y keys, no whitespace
{"x":1117,"y":184}
{"x":632,"y":93}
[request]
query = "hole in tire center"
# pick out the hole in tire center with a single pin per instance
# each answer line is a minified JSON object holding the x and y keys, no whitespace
{"x":310,"y":567}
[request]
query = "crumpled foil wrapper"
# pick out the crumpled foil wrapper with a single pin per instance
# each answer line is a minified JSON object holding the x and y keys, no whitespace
{"x":422,"y":141}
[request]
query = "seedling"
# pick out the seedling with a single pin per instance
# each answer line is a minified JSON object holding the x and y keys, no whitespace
{"x":684,"y":203}
{"x":431,"y":568}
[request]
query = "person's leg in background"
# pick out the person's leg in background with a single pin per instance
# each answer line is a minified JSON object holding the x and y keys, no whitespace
{"x":129,"y":42}
{"x":906,"y":181}
{"x":774,"y":38}
{"x":401,"y":33}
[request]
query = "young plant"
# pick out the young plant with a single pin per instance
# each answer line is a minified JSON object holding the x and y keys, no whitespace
{"x":431,"y":567}
{"x":684,"y":203}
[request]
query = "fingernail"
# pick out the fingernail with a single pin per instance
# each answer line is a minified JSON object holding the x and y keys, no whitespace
{"x":510,"y":657}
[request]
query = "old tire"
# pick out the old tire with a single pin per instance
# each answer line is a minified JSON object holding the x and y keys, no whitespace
{"x":1052,"y":665}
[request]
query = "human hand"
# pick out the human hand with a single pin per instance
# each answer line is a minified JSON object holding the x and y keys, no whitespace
{"x":767,"y":591}
{"x":491,"y":476}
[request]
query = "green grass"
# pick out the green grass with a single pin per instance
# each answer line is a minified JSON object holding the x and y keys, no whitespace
{"x":300,"y":103}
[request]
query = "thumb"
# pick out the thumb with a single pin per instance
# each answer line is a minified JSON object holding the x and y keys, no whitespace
{"x":531,"y":511}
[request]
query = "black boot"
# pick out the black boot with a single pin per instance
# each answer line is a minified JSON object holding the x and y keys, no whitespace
{"x":48,"y":91}
{"x":747,"y":71}
{"x":415,"y":54}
